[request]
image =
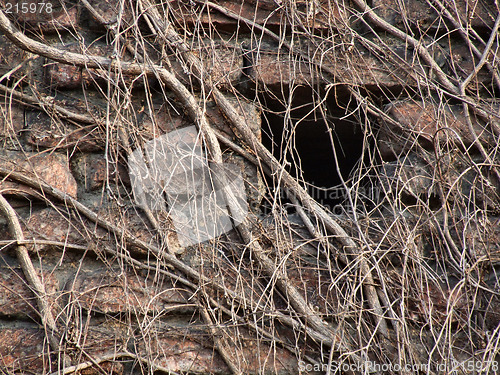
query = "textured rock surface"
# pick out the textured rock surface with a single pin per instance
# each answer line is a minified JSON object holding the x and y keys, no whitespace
{"x":22,"y":349}
{"x":17,"y":300}
{"x":421,"y":15}
{"x":109,"y":295}
{"x":111,"y":292}
{"x":46,"y":132}
{"x":436,"y":124}
{"x":11,"y":120}
{"x":52,"y":169}
{"x":320,"y":16}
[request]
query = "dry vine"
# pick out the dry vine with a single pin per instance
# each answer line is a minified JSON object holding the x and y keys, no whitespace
{"x":413,"y":270}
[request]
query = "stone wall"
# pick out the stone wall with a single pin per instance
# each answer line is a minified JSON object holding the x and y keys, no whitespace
{"x":118,"y":308}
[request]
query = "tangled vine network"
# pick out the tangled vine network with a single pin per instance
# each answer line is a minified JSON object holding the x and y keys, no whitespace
{"x":400,"y":275}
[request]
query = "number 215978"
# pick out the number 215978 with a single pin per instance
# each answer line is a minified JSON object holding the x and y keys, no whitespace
{"x":28,"y":7}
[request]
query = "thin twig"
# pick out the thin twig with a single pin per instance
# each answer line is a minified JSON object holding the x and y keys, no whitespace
{"x":85,"y":365}
{"x":218,"y":334}
{"x":8,"y":243}
{"x":164,"y":29}
{"x":31,"y":275}
{"x":48,"y":104}
{"x":459,"y":26}
{"x":130,"y":239}
{"x":484,"y":57}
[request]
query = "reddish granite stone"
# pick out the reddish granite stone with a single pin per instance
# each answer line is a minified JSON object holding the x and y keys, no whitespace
{"x":323,"y":15}
{"x":223,"y":63}
{"x":277,"y":69}
{"x":431,"y":122}
{"x":50,"y":225}
{"x":419,"y":14}
{"x":17,"y":298}
{"x":108,"y":293}
{"x":181,"y":354}
{"x":165,"y":118}
{"x":43,"y":131}
{"x":11,"y":119}
{"x":51,"y":168}
{"x":24,"y":350}
{"x":90,"y":171}
{"x":63,"y":76}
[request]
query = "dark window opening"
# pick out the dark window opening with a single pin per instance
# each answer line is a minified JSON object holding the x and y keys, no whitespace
{"x":307,"y":149}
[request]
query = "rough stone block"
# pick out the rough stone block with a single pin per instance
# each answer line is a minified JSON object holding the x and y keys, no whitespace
{"x":467,"y":181}
{"x":166,"y":119}
{"x":390,"y":144}
{"x":11,"y":119}
{"x":110,"y":368}
{"x":316,"y":16}
{"x":254,"y":185}
{"x":44,"y":131}
{"x":127,"y":217}
{"x":17,"y":299}
{"x":110,"y":293}
{"x":223,"y":63}
{"x":64,"y":19}
{"x":23,"y":350}
{"x":491,"y":302}
{"x":430,"y":122}
{"x":316,"y":288}
{"x":393,"y":66}
{"x":90,"y":171}
{"x":420,"y":15}
{"x":439,"y":302}
{"x":50,"y":225}
{"x":109,"y":10}
{"x":63,"y":76}
{"x":182,"y":355}
{"x":389,"y":69}
{"x":102,"y":77}
{"x":257,"y":357}
{"x":276,"y":69}
{"x":52,"y":168}
{"x":248,"y":110}
{"x":457,"y":60}
{"x":410,"y":176}
{"x":482,"y":238}
{"x":101,"y":338}
{"x":11,"y":57}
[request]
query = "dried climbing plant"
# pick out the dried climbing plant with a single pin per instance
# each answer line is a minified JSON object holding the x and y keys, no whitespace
{"x":407,"y":275}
